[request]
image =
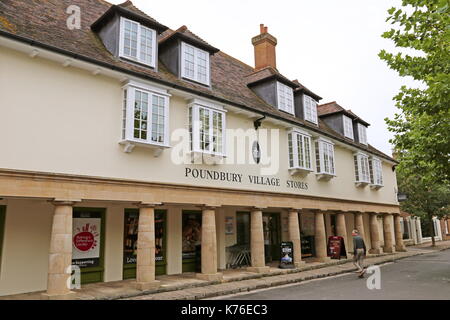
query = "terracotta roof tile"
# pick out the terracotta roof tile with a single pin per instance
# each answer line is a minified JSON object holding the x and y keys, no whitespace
{"x":43,"y":23}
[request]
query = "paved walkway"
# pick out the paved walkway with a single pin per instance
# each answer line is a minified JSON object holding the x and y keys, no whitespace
{"x":187,"y":286}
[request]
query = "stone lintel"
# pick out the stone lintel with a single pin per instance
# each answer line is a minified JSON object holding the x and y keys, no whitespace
{"x":64,"y":202}
{"x":147,"y":204}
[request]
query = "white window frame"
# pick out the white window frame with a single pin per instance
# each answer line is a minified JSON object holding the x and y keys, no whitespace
{"x":376,"y":172}
{"x":184,"y":45}
{"x":195,"y":125}
{"x":293,"y":150}
{"x":138,"y":49}
{"x":325,"y":150}
{"x":348,"y":127}
{"x":362,"y":134}
{"x":362,"y":168}
{"x":129,"y":116}
{"x":285,"y":98}
{"x":310,"y":109}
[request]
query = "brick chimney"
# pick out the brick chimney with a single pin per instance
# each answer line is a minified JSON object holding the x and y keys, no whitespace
{"x":264,"y":45}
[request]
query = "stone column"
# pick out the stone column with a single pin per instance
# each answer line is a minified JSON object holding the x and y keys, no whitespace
{"x":374,"y":235}
{"x":60,"y":255}
{"x":145,"y":265}
{"x":387,"y":232}
{"x":209,"y":246}
{"x":359,"y":224}
{"x":257,"y":242}
{"x":341,"y":229}
{"x":399,"y":245}
{"x":320,"y":237}
{"x":294,"y":237}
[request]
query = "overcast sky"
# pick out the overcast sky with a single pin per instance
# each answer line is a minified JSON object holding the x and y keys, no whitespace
{"x":330,"y":46}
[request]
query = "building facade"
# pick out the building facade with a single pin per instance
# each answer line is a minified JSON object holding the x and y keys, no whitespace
{"x":132,"y":150}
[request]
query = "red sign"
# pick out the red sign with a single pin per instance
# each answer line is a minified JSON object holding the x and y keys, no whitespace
{"x":84,"y":241}
{"x":336,"y":247}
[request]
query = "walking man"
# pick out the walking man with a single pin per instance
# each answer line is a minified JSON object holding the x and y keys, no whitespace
{"x":359,"y":252}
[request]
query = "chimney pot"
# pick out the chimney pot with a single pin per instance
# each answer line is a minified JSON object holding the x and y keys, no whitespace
{"x":261,"y":28}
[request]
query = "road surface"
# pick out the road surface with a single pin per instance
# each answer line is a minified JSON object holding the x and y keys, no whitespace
{"x":421,"y":277}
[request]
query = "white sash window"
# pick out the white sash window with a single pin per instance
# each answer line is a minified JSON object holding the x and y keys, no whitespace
{"x":362,"y":134}
{"x":145,"y":115}
{"x":137,"y":42}
{"x":207,"y":129}
{"x":195,"y":64}
{"x":285,"y":98}
{"x":299,"y":150}
{"x":362,"y":173}
{"x":325,"y":157}
{"x":310,"y":109}
{"x":348,"y":127}
{"x":376,"y":172}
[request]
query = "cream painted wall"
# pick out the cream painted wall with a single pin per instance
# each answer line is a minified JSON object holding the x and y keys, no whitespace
{"x":65,"y":120}
{"x":26,"y":246}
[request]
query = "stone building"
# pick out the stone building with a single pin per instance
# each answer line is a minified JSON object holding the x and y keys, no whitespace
{"x":131,"y":150}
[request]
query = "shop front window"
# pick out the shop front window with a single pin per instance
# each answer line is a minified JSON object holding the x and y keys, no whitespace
{"x":131,"y":224}
{"x":191,"y":241}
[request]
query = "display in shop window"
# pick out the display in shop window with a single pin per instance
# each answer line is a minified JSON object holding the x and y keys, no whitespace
{"x":86,"y":242}
{"x":131,"y":237}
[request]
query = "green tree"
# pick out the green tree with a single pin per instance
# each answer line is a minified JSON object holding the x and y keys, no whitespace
{"x":421,"y":31}
{"x":425,"y":199}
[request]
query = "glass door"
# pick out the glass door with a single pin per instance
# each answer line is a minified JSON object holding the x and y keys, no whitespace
{"x":88,"y":243}
{"x":272,"y":236}
{"x":192,"y":240}
{"x":131,"y":223}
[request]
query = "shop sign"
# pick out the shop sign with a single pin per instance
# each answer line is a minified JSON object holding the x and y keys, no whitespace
{"x":86,"y":242}
{"x":229,"y":225}
{"x":239,"y":178}
{"x":287,"y":255}
{"x":336,"y":247}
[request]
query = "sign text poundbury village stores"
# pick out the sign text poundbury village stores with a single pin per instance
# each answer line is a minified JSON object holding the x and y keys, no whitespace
{"x":206,"y":174}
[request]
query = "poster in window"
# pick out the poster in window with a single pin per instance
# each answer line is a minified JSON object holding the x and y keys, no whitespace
{"x":192,"y":234}
{"x":86,"y":242}
{"x":229,"y":225}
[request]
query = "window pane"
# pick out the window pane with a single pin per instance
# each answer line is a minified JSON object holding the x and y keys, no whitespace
{"x":140,"y":115}
{"x":146,"y":54}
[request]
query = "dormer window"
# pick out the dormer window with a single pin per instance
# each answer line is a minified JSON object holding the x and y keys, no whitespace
{"x":195,"y":64}
{"x":137,"y":43}
{"x":362,"y":134}
{"x":362,"y":173}
{"x":348,"y":127}
{"x":310,"y":109}
{"x":285,"y":98}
